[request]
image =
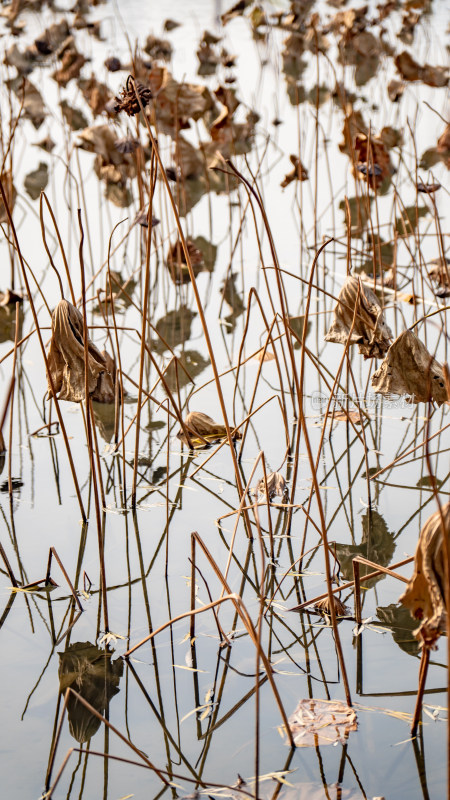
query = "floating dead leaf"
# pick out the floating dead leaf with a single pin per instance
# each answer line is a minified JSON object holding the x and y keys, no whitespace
{"x":299,"y":173}
{"x":36,"y":181}
{"x":323,"y":606}
{"x":202,"y":430}
{"x":264,"y":355}
{"x":410,"y":70}
{"x":346,"y":416}
{"x":71,"y":62}
{"x":424,"y":596}
{"x":409,"y":369}
{"x":73,"y":116}
{"x":428,"y":188}
{"x":370,"y":331}
{"x":319,"y":722}
{"x":66,"y":359}
{"x":276,"y":487}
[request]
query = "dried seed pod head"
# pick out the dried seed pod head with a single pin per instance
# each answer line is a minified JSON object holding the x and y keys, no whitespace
{"x":370,"y":331}
{"x":409,"y":369}
{"x":276,"y":487}
{"x":324,"y":606}
{"x":424,"y":596}
{"x":128,"y":99}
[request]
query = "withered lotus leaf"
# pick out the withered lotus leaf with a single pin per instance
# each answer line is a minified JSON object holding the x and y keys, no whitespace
{"x":323,"y":606}
{"x":425,"y":594}
{"x":276,"y":487}
{"x":203,"y":429}
{"x":66,"y":359}
{"x":317,"y":722}
{"x":409,"y":369}
{"x":370,"y":331}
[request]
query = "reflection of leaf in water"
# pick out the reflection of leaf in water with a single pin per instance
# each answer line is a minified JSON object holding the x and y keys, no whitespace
{"x":193,"y":362}
{"x":104,"y":416}
{"x":90,"y":671}
{"x":407,"y":223}
{"x":119,"y":195}
{"x":297,"y":324}
{"x":208,"y":250}
{"x":10,"y":192}
{"x":428,"y":482}
{"x":174,"y":328}
{"x":8,"y":323}
{"x":73,"y":116}
{"x":358,"y":213}
{"x":36,"y":181}
{"x":33,"y":107}
{"x":377,"y":545}
{"x":402,"y":625}
{"x":232,"y":296}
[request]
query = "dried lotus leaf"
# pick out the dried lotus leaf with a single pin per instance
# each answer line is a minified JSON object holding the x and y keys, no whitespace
{"x":66,"y":359}
{"x":203,"y":429}
{"x":370,"y":331}
{"x":409,"y":369}
{"x":323,"y":606}
{"x":425,"y":596}
{"x":276,"y":487}
{"x":317,"y":722}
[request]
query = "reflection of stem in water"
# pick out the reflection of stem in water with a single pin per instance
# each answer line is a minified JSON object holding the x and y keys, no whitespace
{"x":419,"y":755}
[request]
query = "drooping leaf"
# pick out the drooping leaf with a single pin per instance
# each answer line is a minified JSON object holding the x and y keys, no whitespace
{"x":425,"y":595}
{"x":66,"y":359}
{"x":409,"y":369}
{"x":370,"y":331}
{"x":202,"y":430}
